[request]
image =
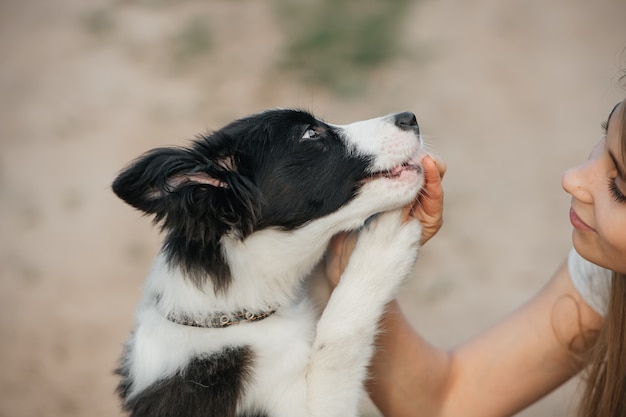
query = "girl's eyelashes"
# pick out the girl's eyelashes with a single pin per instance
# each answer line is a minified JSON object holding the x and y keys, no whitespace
{"x":605,"y":127}
{"x":615,"y":191}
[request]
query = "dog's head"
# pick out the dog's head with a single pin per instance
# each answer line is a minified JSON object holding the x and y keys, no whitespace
{"x":280,"y":169}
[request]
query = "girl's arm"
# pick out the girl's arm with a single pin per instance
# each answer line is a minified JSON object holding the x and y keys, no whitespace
{"x":498,"y":372}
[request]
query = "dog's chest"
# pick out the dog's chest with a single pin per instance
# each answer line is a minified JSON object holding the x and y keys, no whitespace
{"x":281,"y":351}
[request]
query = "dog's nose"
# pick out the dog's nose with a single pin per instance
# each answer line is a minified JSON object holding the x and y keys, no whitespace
{"x":406,"y":121}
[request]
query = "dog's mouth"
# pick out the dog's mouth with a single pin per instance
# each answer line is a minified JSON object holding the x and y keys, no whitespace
{"x":412,"y":165}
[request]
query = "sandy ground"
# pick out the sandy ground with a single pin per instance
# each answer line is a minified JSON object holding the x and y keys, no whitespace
{"x":509,"y":93}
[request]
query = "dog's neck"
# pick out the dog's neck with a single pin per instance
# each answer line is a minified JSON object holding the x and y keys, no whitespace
{"x":221,"y":320}
{"x":271,"y":265}
{"x":268,"y":268}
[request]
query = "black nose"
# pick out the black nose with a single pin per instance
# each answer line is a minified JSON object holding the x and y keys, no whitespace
{"x":406,"y":121}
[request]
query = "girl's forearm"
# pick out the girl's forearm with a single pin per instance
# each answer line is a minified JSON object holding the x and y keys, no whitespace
{"x":403,"y":362}
{"x":498,"y":372}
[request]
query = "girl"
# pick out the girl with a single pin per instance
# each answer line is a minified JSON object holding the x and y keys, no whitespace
{"x":577,"y":320}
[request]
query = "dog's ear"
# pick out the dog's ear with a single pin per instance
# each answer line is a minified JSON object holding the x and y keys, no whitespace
{"x":184,"y":188}
{"x":160,"y":173}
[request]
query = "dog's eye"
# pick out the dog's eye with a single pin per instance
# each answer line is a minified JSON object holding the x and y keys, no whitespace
{"x":310,"y":133}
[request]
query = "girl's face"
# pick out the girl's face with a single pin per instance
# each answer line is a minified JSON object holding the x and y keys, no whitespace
{"x":598,"y":189}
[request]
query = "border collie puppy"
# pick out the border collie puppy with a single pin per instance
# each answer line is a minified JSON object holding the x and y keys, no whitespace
{"x":227,"y":325}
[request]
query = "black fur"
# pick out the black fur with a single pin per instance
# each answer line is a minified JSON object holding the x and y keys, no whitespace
{"x":280,"y":169}
{"x":256,"y":172}
{"x":209,"y":387}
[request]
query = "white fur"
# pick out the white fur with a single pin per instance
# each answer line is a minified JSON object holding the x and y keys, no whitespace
{"x":306,"y":364}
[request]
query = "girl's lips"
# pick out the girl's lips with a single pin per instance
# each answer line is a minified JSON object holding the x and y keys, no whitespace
{"x":578,"y":223}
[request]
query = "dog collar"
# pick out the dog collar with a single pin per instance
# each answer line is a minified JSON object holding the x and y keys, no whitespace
{"x":221,"y":320}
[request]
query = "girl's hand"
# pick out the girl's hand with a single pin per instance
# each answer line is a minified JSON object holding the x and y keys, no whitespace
{"x":338,"y":254}
{"x":427,"y":208}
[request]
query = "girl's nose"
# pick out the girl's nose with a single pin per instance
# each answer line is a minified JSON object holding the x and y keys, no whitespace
{"x":576,"y":181}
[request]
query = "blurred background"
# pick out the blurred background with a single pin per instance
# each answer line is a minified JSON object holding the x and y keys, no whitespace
{"x":509,"y":93}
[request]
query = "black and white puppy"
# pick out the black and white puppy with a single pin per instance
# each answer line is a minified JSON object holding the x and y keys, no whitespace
{"x":227,"y":326}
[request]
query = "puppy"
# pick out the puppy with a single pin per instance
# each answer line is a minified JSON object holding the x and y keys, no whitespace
{"x":227,"y":325}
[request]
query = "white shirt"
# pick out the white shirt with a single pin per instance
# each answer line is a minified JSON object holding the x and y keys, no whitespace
{"x":592,"y":281}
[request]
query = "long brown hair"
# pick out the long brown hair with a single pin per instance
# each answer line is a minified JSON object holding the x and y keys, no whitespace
{"x":605,"y":392}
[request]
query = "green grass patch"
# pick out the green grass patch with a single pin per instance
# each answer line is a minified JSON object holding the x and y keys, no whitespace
{"x":337,"y":43}
{"x":195,"y":39}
